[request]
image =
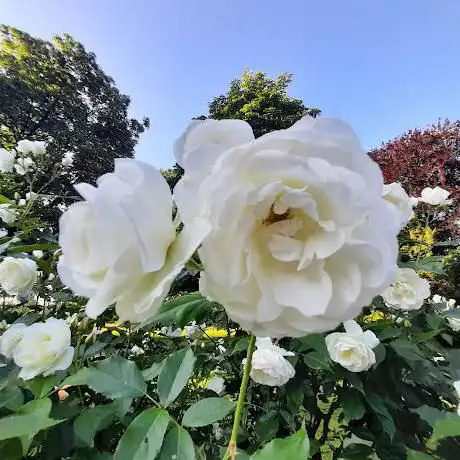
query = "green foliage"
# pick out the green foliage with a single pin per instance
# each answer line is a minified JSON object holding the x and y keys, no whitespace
{"x":178,"y":445}
{"x":295,"y":446}
{"x":207,"y":411}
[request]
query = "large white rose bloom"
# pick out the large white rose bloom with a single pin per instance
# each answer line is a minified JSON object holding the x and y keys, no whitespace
{"x":268,"y":365}
{"x":43,"y":349}
{"x":435,"y":196}
{"x":10,"y":338}
{"x":352,"y":349}
{"x":27,"y":147}
{"x":17,"y":276}
{"x":119,"y":245}
{"x":6,"y":161}
{"x":301,"y":237}
{"x":407,"y":291}
{"x":397,"y":196}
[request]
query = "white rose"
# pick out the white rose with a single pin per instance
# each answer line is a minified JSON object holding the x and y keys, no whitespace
{"x":268,"y":365}
{"x":438,"y":299}
{"x":302,"y":237}
{"x":397,"y":196}
{"x":352,"y":349}
{"x":7,"y":214}
{"x":408,"y":291}
{"x":415,"y":201}
{"x":457,"y":389}
{"x":24,"y":165}
{"x":27,"y":147}
{"x":3,"y":232}
{"x":216,"y":384}
{"x":435,"y":196}
{"x":120,"y":247}
{"x":137,"y":351}
{"x":38,"y":254}
{"x":10,"y":338}
{"x":67,"y":159}
{"x":43,"y":349}
{"x":192,"y":330}
{"x":17,"y":276}
{"x":31,"y":196}
{"x":170,"y":332}
{"x":451,"y":303}
{"x":6,"y":161}
{"x":454,"y":323}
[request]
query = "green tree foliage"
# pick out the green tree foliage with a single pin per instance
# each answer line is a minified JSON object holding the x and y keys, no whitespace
{"x":55,"y":91}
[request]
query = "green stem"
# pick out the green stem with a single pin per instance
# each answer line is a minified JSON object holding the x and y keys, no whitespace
{"x":231,"y":451}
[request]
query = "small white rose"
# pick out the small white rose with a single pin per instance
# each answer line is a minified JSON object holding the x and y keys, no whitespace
{"x":352,"y":349}
{"x":451,"y":303}
{"x":67,"y":159}
{"x":22,"y":202}
{"x":23,"y":165}
{"x":268,"y":365}
{"x":17,"y":276}
{"x":216,"y":384}
{"x":435,"y":196}
{"x":7,"y":213}
{"x":454,"y":323}
{"x":408,"y":291}
{"x":44,"y":349}
{"x":170,"y":332}
{"x":10,"y":338}
{"x":395,"y":195}
{"x":31,"y":196}
{"x":438,"y":299}
{"x":137,"y":351}
{"x":38,"y":254}
{"x":7,"y":161}
{"x":27,"y":147}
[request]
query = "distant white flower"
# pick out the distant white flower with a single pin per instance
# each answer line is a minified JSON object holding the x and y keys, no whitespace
{"x":408,"y":291}
{"x":10,"y":338}
{"x":435,"y":196}
{"x":268,"y":365}
{"x":454,"y":323}
{"x":44,"y":348}
{"x":169,"y":332}
{"x":38,"y":254}
{"x":67,"y":159}
{"x":216,"y":384}
{"x":31,"y":196}
{"x":3,"y":232}
{"x":192,"y":330}
{"x":136,"y":350}
{"x":395,"y":195}
{"x":457,"y":222}
{"x":352,"y":349}
{"x":23,"y":165}
{"x":457,"y":389}
{"x":438,"y":299}
{"x":7,"y":214}
{"x":415,"y":201}
{"x":6,"y":161}
{"x":17,"y":276}
{"x":22,"y":202}
{"x":27,"y":147}
{"x":218,"y":432}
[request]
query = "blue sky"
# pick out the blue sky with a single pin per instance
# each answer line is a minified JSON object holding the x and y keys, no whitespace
{"x":384,"y":66}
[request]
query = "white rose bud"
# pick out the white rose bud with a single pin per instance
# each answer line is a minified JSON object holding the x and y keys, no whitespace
{"x":17,"y":276}
{"x":395,"y":195}
{"x":24,"y":165}
{"x":6,"y":161}
{"x":120,"y":246}
{"x":268,"y":365}
{"x":435,"y":196}
{"x":312,"y":239}
{"x":27,"y":147}
{"x":352,"y":349}
{"x":10,"y":338}
{"x":408,"y":291}
{"x":44,"y":349}
{"x":7,"y":214}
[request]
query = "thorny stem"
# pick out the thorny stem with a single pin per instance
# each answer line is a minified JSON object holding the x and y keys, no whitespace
{"x":231,"y":450}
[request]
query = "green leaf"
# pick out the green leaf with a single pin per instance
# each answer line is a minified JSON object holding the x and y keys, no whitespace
{"x":92,"y":420}
{"x":385,"y":418}
{"x":429,"y":414}
{"x":428,"y":264}
{"x":207,"y":411}
{"x":33,"y":247}
{"x":178,"y":445}
{"x":94,"y":349}
{"x":4,"y":199}
{"x":380,"y":354}
{"x":174,"y":374}
{"x":352,"y":404}
{"x":357,"y":452}
{"x":296,"y":446}
{"x":115,"y":377}
{"x":11,"y":449}
{"x":183,"y":309}
{"x":267,"y":425}
{"x":316,"y":360}
{"x":446,"y":427}
{"x":153,"y":371}
{"x":406,"y":350}
{"x":434,"y":321}
{"x":11,"y":397}
{"x":389,"y":333}
{"x":425,"y":336}
{"x":416,"y":455}
{"x":314,"y":342}
{"x":143,"y":438}
{"x":41,"y":386}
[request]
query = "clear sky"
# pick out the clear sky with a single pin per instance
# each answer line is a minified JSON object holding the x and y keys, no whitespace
{"x":384,"y":66}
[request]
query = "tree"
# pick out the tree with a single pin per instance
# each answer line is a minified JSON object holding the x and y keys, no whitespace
{"x":55,"y":91}
{"x":425,"y":158}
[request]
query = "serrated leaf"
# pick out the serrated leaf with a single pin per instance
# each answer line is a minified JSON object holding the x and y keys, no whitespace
{"x":153,"y":371}
{"x":389,"y":333}
{"x":316,"y":360}
{"x":207,"y":411}
{"x":92,"y":420}
{"x":174,"y":374}
{"x":143,"y":438}
{"x":352,"y":404}
{"x":178,"y":445}
{"x":296,"y":446}
{"x":115,"y":377}
{"x":380,"y":354}
{"x":428,"y":264}
{"x":314,"y":342}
